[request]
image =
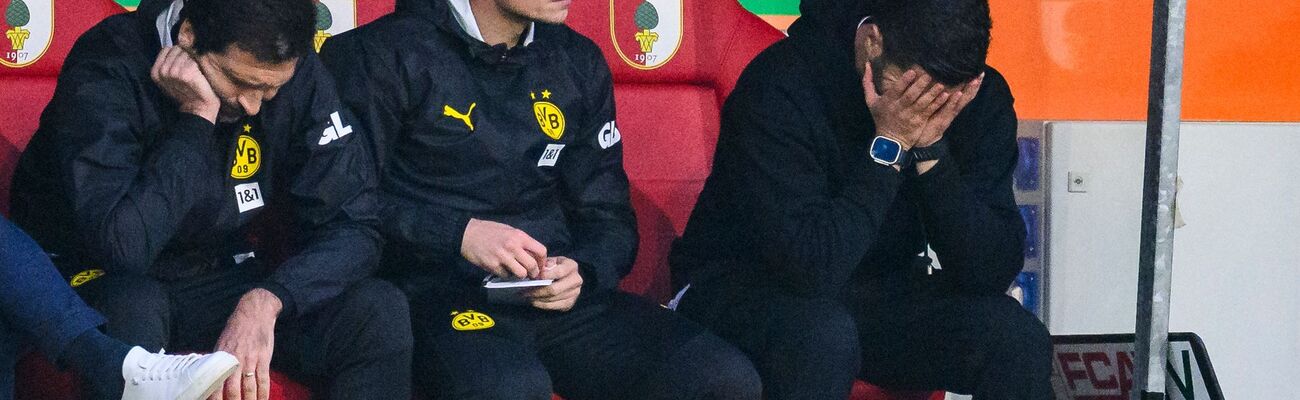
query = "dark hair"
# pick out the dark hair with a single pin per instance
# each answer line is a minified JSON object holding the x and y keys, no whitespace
{"x":273,"y":31}
{"x":947,"y":38}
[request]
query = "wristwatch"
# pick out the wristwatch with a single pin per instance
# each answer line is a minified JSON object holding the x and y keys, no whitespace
{"x":932,"y":152}
{"x":888,"y":152}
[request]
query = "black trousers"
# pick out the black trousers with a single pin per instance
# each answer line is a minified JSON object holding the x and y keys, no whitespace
{"x":609,"y":346}
{"x":357,"y":347}
{"x":988,"y":346}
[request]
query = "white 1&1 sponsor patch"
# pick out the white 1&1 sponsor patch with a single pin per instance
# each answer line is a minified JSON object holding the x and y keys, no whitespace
{"x":249,"y":197}
{"x":550,"y":155}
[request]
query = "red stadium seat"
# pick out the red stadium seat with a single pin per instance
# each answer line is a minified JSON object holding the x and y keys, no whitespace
{"x":865,"y":391}
{"x":27,"y":76}
{"x":344,"y":15}
{"x":669,"y":100}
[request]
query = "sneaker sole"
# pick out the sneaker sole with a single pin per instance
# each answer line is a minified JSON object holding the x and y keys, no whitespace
{"x":211,"y":387}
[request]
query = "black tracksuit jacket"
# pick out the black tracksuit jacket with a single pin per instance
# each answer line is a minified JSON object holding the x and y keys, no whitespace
{"x":117,"y":178}
{"x":795,"y":203}
{"x":413,"y":76}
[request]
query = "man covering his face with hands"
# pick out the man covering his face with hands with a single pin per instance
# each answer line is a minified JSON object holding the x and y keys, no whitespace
{"x":872,"y":140}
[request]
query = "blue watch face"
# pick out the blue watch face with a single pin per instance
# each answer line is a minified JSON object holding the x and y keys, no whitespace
{"x":884,"y":149}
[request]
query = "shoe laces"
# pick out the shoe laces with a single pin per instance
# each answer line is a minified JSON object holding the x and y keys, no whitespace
{"x":166,"y":367}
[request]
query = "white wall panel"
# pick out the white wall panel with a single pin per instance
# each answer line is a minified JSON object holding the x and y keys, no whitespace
{"x":1236,"y":278}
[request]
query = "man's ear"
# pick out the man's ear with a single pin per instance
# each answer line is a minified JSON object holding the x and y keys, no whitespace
{"x":185,"y":38}
{"x":871,"y":41}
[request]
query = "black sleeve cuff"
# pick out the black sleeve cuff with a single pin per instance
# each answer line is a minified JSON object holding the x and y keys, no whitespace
{"x":190,"y":138}
{"x":594,"y":278}
{"x":185,"y":118}
{"x":941,"y":188}
{"x":194,"y":130}
{"x":876,"y":186}
{"x":453,"y":233}
{"x":185,"y":160}
{"x":287,"y":306}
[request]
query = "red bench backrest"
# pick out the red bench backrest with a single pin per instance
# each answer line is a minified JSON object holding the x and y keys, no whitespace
{"x":344,"y":15}
{"x":669,"y":100}
{"x":27,"y":75}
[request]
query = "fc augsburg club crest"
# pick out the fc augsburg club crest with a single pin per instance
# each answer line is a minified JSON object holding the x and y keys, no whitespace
{"x":646,"y":33}
{"x":333,"y":17}
{"x":28,"y":26}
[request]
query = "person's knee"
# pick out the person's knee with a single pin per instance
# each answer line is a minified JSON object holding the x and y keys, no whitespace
{"x":823,"y":331}
{"x":737,"y":379}
{"x":1023,"y":344}
{"x":720,"y":370}
{"x":387,"y":327}
{"x":1037,"y":343}
{"x":815,"y":345}
{"x":520,"y":381}
{"x":506,"y":379}
{"x":136,"y":307}
{"x":125,"y":295}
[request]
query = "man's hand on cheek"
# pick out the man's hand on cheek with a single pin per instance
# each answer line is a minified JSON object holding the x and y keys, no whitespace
{"x":179,"y":76}
{"x":561,"y":294}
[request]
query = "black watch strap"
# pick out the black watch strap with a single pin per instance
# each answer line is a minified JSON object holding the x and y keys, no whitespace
{"x":930,"y":153}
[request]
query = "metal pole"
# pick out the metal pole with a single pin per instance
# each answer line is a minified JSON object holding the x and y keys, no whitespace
{"x":1155,"y":265}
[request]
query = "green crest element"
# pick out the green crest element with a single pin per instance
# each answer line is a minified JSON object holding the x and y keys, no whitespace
{"x":647,"y":17}
{"x":324,"y":20}
{"x":17,"y":14}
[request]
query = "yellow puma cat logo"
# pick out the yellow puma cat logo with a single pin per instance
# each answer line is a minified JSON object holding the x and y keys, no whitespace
{"x":451,"y":112}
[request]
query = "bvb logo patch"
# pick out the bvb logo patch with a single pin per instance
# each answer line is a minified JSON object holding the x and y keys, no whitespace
{"x":86,"y":276}
{"x":471,"y":320}
{"x":248,"y":157}
{"x":549,"y":117}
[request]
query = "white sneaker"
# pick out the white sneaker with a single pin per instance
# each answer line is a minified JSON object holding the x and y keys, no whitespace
{"x":161,"y":376}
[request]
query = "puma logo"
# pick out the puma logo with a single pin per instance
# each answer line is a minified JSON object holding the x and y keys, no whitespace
{"x":451,"y":112}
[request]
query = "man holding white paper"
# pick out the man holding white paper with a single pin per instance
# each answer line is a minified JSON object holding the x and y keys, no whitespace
{"x":500,"y":157}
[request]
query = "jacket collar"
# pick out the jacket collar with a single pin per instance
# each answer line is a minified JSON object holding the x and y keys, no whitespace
{"x":465,"y":17}
{"x":446,"y":15}
{"x":169,"y":14}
